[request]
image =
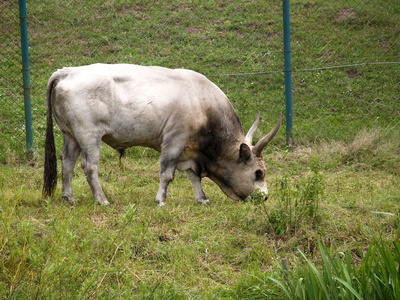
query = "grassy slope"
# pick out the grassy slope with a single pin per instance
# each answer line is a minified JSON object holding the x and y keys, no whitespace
{"x":217,"y":38}
{"x":133,"y":248}
{"x":185,"y":250}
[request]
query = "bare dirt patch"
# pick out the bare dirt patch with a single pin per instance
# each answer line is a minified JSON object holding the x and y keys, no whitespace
{"x":345,"y":14}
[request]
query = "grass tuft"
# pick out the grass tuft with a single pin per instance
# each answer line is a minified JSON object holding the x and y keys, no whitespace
{"x":377,"y":148}
{"x":298,"y":202}
{"x":340,"y":277}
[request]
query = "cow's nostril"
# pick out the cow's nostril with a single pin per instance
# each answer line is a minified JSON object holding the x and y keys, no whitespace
{"x":266,"y":198}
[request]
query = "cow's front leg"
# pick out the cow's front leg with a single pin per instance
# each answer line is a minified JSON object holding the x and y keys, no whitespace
{"x":198,"y":191}
{"x":90,"y":165}
{"x":165,"y":179}
{"x":168,"y":163}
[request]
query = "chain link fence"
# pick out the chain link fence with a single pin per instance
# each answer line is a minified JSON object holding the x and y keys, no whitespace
{"x":12,"y":119}
{"x":345,"y":57}
{"x":350,"y":79}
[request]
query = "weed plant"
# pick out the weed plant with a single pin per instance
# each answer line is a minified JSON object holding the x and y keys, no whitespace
{"x":298,"y":203}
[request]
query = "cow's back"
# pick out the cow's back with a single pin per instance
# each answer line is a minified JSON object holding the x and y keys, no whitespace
{"x":137,"y":105}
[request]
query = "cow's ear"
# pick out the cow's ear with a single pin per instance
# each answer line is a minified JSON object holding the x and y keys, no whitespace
{"x":245,"y":152}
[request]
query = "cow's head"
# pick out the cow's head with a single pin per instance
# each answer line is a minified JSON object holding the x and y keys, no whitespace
{"x":245,"y":172}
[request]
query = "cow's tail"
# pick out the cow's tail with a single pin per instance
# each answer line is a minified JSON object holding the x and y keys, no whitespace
{"x":50,"y":159}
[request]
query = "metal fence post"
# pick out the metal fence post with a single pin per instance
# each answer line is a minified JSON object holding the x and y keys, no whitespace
{"x":288,"y":73}
{"x":26,"y":76}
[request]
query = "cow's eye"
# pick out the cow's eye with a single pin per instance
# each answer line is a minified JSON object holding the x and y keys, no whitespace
{"x":259,"y":175}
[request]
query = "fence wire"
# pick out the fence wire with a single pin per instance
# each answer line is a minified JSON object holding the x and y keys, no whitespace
{"x":350,"y":80}
{"x":338,"y":86}
{"x":12,"y":120}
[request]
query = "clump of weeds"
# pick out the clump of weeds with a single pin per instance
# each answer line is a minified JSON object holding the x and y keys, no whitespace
{"x":297,"y":201}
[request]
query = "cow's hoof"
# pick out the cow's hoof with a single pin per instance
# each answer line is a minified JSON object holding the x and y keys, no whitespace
{"x":161,"y":203}
{"x":204,"y":201}
{"x":69,"y":200}
{"x":104,"y":203}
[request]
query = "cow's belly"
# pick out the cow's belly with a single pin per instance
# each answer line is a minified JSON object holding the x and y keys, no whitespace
{"x":125,"y":135}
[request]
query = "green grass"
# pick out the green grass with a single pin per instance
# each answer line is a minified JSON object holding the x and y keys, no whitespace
{"x":349,"y":275}
{"x":334,"y":200}
{"x":216,"y":39}
{"x":226,"y":250}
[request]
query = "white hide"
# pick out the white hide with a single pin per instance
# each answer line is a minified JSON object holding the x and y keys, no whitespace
{"x":180,"y":113}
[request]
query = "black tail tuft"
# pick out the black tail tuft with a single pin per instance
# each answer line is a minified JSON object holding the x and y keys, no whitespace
{"x":121,"y":153}
{"x":50,"y":160}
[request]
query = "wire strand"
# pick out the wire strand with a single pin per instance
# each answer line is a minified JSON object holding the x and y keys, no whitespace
{"x":307,"y":70}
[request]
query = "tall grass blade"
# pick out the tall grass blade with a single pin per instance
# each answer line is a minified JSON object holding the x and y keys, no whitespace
{"x":300,"y":292}
{"x":317,"y":275}
{"x":349,"y":287}
{"x":388,"y":265}
{"x":396,"y":285}
{"x":282,"y":285}
{"x":383,"y":213}
{"x":327,"y":268}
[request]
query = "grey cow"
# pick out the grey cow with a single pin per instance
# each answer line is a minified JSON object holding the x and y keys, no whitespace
{"x":179,"y":113}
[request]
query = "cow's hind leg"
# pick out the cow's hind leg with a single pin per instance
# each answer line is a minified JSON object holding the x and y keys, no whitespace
{"x":69,"y":155}
{"x":90,"y":165}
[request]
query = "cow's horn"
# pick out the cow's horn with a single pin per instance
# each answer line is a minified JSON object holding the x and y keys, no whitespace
{"x":250,"y":134}
{"x":258,"y":148}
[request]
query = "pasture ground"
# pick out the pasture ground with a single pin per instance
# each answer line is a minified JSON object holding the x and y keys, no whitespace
{"x":134,"y":249}
{"x":339,"y":197}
